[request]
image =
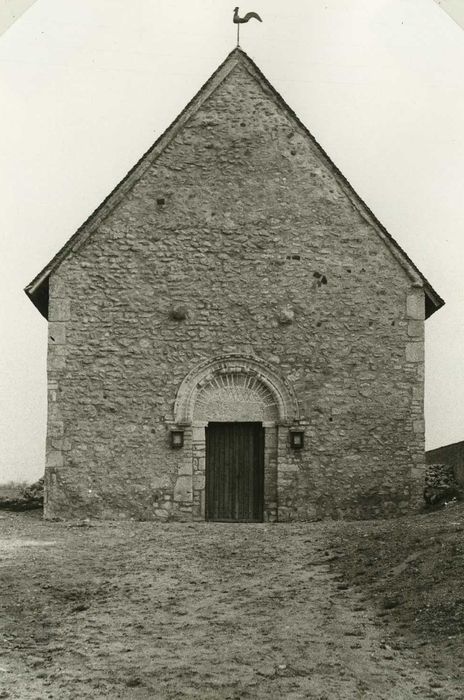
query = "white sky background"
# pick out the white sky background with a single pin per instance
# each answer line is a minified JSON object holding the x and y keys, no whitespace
{"x":86,"y":86}
{"x":11,"y":10}
{"x":455,"y":9}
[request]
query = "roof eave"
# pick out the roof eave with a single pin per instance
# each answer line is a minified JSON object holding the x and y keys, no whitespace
{"x":38,"y":293}
{"x":433,"y":301}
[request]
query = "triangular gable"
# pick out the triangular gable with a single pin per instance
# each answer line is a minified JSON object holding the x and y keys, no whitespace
{"x":37,"y":290}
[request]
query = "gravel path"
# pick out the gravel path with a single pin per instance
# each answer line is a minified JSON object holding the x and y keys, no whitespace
{"x":207,"y":611}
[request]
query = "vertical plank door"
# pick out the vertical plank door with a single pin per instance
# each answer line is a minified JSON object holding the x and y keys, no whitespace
{"x":234,"y":472}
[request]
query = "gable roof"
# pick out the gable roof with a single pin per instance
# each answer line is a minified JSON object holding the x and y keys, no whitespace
{"x":37,"y":290}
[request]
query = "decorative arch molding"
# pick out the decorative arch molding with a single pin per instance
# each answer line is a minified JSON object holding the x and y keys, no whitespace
{"x":241,"y":375}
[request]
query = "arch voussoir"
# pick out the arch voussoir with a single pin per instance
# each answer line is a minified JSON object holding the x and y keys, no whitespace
{"x":233,"y":376}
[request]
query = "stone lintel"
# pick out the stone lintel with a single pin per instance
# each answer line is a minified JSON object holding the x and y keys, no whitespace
{"x":57,"y":332}
{"x":416,"y":329}
{"x":414,"y":352}
{"x":415,"y":304}
{"x":59,"y":309}
{"x":54,"y":458}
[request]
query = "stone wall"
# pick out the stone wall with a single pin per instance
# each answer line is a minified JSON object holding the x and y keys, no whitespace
{"x":452,"y":455}
{"x":440,"y":484}
{"x":239,"y":238}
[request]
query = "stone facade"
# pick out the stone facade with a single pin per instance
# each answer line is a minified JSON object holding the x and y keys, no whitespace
{"x":234,"y":275}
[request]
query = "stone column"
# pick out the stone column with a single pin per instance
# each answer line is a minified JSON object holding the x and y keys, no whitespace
{"x":198,"y":469}
{"x":57,"y":443}
{"x":415,"y":314}
{"x":270,"y":473}
{"x":183,"y":490}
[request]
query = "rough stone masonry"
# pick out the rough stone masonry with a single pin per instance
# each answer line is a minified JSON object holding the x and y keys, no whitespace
{"x":234,"y":275}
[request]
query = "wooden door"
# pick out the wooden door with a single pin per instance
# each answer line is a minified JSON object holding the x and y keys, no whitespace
{"x":234,"y":472}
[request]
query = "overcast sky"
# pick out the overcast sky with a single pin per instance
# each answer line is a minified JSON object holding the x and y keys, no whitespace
{"x":87,"y":85}
{"x":455,"y":9}
{"x":11,"y":10}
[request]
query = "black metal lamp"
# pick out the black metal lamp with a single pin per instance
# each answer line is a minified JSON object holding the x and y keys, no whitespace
{"x":296,"y":438}
{"x":177,"y":438}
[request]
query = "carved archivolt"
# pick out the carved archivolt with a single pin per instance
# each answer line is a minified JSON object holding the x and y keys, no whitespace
{"x":235,"y":388}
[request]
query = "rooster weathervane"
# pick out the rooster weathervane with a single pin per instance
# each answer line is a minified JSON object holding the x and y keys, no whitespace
{"x":241,"y":20}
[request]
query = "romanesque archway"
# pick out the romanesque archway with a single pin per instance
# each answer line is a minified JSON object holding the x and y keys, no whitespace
{"x":235,"y":380}
{"x":231,"y":390}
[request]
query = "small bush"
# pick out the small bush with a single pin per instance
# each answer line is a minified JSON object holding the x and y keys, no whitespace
{"x":29,"y":497}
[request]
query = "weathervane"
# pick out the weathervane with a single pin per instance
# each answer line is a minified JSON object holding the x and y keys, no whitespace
{"x":241,"y":20}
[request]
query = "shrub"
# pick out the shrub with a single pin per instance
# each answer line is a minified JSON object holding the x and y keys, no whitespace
{"x":29,"y":497}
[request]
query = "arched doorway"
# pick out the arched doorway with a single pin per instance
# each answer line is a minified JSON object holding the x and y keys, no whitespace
{"x":234,"y":407}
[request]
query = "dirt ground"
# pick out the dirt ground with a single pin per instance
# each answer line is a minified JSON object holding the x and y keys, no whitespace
{"x":219,"y":611}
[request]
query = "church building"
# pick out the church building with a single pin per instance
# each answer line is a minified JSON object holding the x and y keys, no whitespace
{"x":233,"y":335}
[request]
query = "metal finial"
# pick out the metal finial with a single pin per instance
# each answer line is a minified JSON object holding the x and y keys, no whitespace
{"x":241,"y":20}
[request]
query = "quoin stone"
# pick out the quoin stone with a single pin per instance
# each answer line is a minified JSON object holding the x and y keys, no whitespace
{"x":234,"y":287}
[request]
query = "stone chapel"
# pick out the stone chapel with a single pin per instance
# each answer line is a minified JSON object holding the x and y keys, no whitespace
{"x":233,"y":335}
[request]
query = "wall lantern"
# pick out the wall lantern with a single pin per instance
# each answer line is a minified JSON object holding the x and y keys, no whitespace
{"x":296,"y":438}
{"x":177,"y":438}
